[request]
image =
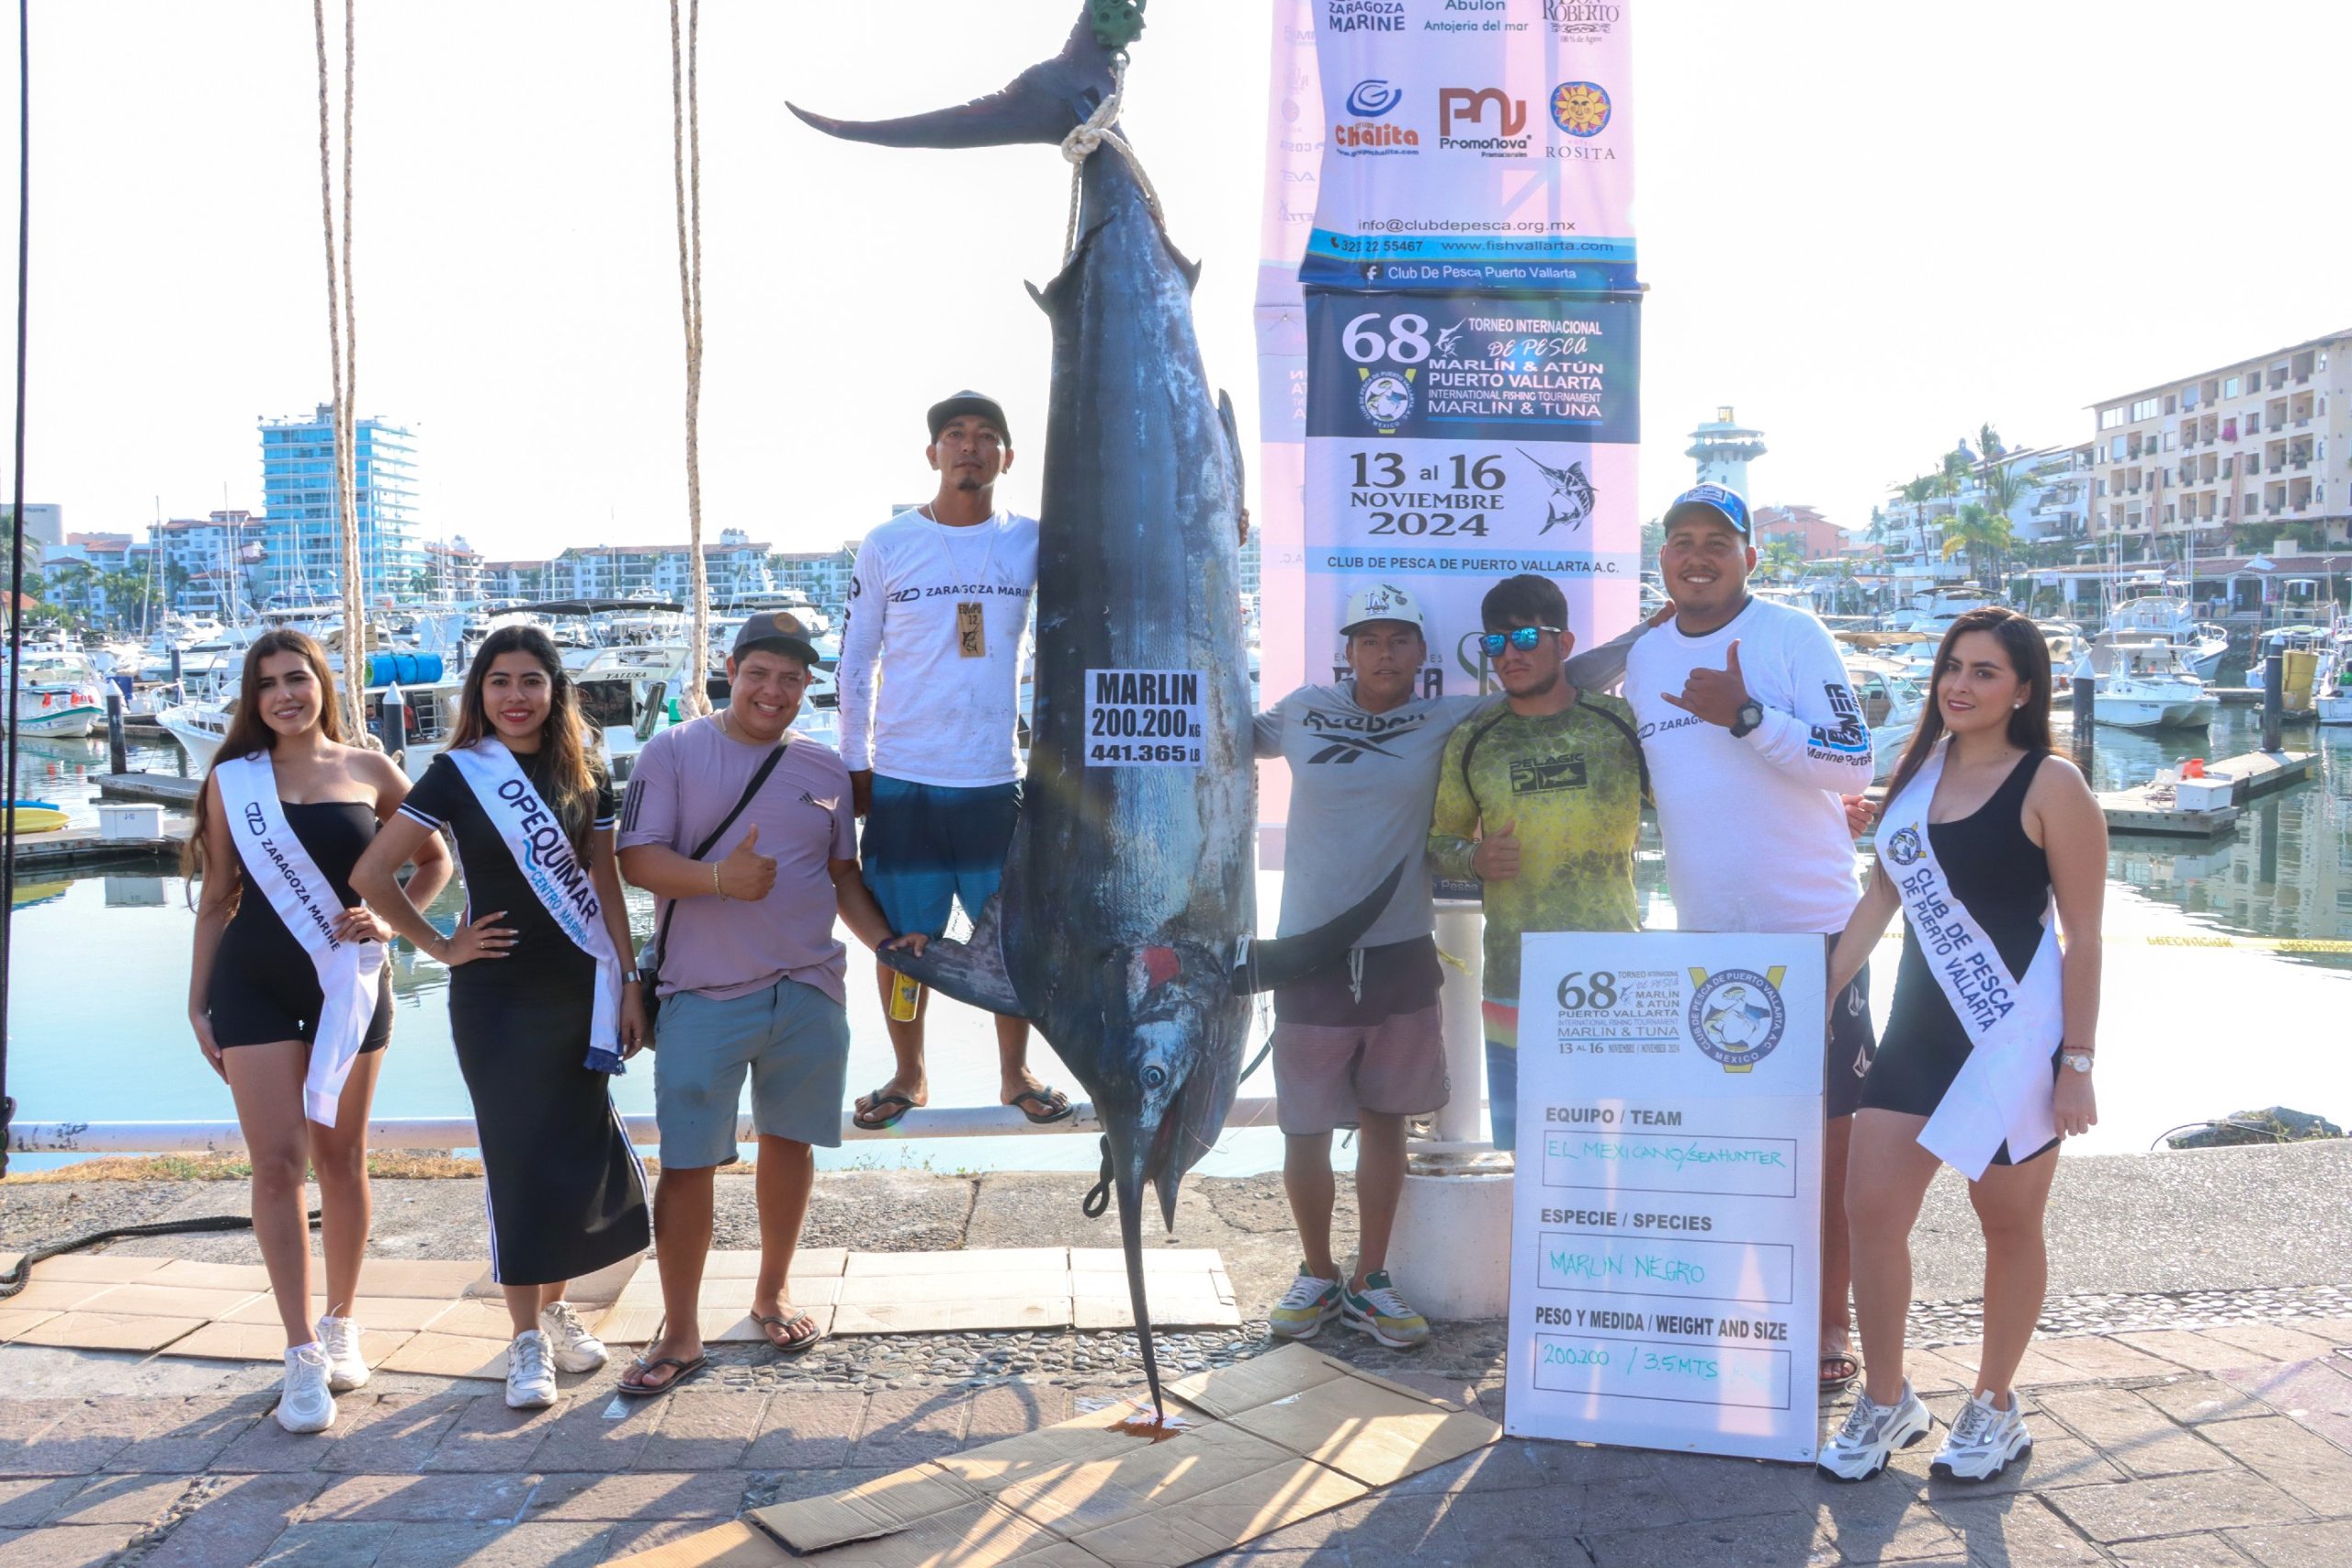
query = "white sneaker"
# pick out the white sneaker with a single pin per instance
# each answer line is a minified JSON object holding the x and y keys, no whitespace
{"x":1983,"y":1441}
{"x":306,"y":1403}
{"x":573,"y":1349}
{"x":339,"y":1337}
{"x":1872,"y":1434}
{"x":530,"y":1382}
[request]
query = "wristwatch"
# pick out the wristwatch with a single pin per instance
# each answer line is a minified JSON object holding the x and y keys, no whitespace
{"x":1744,"y":722}
{"x":2080,"y":1061}
{"x":631,"y":977}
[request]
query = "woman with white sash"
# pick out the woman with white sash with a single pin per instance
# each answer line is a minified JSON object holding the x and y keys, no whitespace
{"x":290,"y":995}
{"x":1992,"y":848}
{"x":544,"y":1001}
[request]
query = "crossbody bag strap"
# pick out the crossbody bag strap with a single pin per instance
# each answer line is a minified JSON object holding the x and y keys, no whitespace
{"x":768,"y":766}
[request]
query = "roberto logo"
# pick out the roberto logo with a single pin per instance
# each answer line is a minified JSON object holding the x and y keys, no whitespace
{"x":1581,"y":108}
{"x":1905,"y":848}
{"x":1386,"y":397}
{"x":1373,"y":98}
{"x":1737,"y":1017}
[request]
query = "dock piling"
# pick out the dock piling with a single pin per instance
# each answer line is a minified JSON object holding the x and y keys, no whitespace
{"x":2274,"y":700}
{"x":2084,"y":712}
{"x":118,"y":754}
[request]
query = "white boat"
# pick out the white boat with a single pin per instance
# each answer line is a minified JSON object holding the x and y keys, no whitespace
{"x":199,"y":727}
{"x":2140,"y":683}
{"x":1934,"y":611}
{"x":2173,"y":616}
{"x":2331,"y":693}
{"x":60,"y":692}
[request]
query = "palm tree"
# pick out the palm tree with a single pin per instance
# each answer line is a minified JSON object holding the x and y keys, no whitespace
{"x":1988,"y":442}
{"x":1983,"y":535}
{"x":1781,"y":554}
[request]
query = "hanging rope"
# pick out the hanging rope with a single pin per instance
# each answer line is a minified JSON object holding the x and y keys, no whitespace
{"x":685,"y":147}
{"x":1093,"y":133}
{"x":16,"y":547}
{"x":342,"y":348}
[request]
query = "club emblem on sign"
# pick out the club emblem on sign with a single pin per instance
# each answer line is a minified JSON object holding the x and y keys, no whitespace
{"x":1386,"y":397}
{"x":1737,"y":1017}
{"x":1905,"y":848}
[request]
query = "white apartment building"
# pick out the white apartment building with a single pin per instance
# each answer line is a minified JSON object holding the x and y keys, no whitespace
{"x":210,"y":563}
{"x":2237,"y":457}
{"x":823,"y":575}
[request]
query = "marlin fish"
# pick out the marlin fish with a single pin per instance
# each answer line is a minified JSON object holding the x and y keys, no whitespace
{"x":1123,"y":927}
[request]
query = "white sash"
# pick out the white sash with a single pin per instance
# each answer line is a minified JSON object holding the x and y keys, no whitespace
{"x":543,"y":852}
{"x":277,"y":863}
{"x":2004,"y":1093}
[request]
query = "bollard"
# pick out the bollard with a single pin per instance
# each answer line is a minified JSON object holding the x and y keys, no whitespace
{"x":2085,"y":714}
{"x":117,"y":752}
{"x":1460,"y":928}
{"x":2274,"y":700}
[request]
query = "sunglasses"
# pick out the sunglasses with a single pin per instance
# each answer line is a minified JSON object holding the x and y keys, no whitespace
{"x":1523,"y":638}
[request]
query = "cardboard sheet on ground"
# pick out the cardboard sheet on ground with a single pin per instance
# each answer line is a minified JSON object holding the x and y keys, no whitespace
{"x":1265,"y":1444}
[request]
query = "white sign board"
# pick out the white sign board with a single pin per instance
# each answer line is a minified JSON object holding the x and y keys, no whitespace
{"x":1138,"y":719}
{"x":1666,"y":1229}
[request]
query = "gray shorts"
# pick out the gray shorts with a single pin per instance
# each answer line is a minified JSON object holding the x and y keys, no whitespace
{"x":794,"y":1040}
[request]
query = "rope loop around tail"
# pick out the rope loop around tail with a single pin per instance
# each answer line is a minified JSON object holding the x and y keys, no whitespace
{"x":1094,"y":133}
{"x":1098,"y":1197}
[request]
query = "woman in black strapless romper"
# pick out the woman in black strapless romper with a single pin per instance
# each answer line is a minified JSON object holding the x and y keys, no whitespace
{"x":254,"y":1001}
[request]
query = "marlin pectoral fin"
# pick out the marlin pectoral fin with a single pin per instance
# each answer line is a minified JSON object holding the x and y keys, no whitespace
{"x":1290,"y":958}
{"x":970,"y":971}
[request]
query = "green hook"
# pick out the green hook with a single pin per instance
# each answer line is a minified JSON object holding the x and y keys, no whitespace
{"x":1116,"y":23}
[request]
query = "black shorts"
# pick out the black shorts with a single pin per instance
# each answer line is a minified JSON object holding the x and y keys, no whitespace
{"x":1852,"y":1043}
{"x":1913,"y":1073}
{"x":254,"y":1009}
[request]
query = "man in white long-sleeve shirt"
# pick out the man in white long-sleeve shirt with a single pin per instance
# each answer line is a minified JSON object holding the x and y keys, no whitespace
{"x":1753,"y":734}
{"x":929,"y":681}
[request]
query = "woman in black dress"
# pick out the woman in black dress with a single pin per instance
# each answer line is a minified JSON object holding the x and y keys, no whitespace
{"x":566,"y":1192}
{"x":1982,"y":816}
{"x":254,"y":997}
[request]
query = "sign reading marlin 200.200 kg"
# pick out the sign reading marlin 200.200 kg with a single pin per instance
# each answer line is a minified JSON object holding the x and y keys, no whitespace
{"x":1666,"y":1267}
{"x":1138,"y":718}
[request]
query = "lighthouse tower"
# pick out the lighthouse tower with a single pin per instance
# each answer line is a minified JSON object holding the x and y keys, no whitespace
{"x":1724,"y":448}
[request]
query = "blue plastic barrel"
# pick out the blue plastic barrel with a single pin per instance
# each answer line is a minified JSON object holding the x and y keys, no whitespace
{"x":428,"y":667}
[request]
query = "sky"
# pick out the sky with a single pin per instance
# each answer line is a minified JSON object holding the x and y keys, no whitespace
{"x":1868,"y":227}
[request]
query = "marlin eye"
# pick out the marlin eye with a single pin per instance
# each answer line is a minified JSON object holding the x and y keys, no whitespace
{"x":1154,"y":1076}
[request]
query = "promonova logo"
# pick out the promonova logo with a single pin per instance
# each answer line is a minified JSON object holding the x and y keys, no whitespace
{"x":1365,"y":135}
{"x":1467,"y":106}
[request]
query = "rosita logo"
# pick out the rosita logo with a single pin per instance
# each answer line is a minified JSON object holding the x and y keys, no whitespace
{"x":1364,"y":15}
{"x":1581,"y":108}
{"x":1468,"y":106}
{"x":1737,"y":1017}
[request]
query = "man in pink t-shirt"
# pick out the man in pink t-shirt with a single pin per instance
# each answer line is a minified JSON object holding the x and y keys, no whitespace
{"x":750,"y":975}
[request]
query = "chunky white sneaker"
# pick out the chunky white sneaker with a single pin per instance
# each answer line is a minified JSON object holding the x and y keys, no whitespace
{"x":1983,"y":1441}
{"x":1304,"y":1309}
{"x":307,"y":1404}
{"x":1872,"y":1434}
{"x":570,"y":1346}
{"x":339,"y":1337}
{"x":530,"y":1382}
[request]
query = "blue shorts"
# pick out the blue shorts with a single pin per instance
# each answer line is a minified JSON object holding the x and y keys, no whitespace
{"x":791,"y":1038}
{"x":929,"y":847}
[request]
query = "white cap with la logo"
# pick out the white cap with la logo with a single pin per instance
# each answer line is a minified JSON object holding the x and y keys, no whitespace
{"x":1382,"y":602}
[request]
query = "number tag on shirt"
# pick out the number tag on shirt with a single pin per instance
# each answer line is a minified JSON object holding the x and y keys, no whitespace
{"x":1138,"y":718}
{"x":971,"y":631}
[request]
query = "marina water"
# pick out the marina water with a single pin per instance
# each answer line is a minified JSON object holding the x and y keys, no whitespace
{"x":99,"y":977}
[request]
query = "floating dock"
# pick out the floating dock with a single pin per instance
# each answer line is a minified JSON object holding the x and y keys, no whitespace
{"x":2251,"y":698}
{"x":78,"y":849}
{"x":2154,"y":809}
{"x":161,"y":789}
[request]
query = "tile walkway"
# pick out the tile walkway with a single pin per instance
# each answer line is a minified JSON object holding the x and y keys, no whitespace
{"x":2216,"y":1447}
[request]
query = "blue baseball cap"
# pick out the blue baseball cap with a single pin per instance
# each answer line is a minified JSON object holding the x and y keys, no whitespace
{"x":1721,"y":500}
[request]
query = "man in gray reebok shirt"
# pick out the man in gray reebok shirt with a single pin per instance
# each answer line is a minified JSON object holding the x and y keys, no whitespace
{"x":1361,"y":1046}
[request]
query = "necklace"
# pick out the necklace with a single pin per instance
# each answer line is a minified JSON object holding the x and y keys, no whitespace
{"x":955,"y":559}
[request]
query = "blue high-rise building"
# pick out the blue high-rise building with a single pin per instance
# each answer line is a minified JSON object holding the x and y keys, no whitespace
{"x":301,"y":538}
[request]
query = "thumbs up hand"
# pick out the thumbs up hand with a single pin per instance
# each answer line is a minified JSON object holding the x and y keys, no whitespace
{"x":1715,"y":695}
{"x":746,"y":875}
{"x":1497,"y":857}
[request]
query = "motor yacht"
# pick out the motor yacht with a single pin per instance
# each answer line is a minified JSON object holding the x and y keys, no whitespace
{"x":2139,"y":681}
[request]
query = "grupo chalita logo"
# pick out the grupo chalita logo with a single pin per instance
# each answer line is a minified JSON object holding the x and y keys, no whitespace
{"x":1373,"y":97}
{"x":1581,"y":108}
{"x":1737,"y":1017}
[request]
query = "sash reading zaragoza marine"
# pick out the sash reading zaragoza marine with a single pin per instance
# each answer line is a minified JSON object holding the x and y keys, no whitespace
{"x":558,"y":877}
{"x":275,"y":863}
{"x":2004,"y":1092}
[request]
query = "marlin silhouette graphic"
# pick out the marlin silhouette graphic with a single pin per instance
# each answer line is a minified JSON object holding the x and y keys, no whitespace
{"x":1571,"y":501}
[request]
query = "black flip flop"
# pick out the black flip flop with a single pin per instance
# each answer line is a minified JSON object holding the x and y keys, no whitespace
{"x":1834,"y":1384}
{"x":686,"y":1370}
{"x":799,"y":1349}
{"x":1056,"y":1104}
{"x":868,"y":1120}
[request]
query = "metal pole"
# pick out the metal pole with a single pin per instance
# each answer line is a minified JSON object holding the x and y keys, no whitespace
{"x":2085,"y":714}
{"x":118,"y":754}
{"x":15,"y":573}
{"x":2274,"y":699}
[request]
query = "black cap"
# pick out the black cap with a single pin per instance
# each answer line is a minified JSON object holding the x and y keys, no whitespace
{"x":778,"y":632}
{"x":968,"y":402}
